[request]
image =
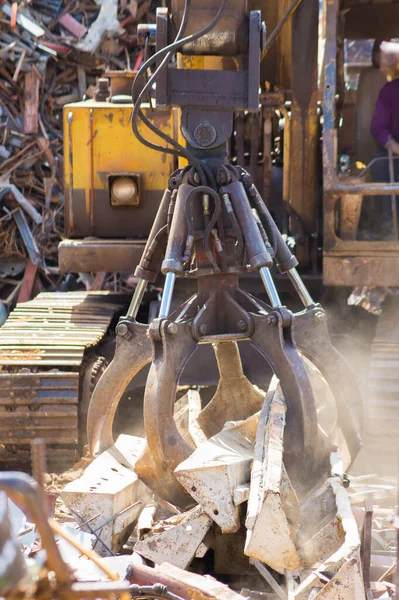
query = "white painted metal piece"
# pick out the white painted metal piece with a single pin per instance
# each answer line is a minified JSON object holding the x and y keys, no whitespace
{"x":241,"y":494}
{"x":146,"y":520}
{"x":347,"y":584}
{"x":194,"y":409}
{"x":216,"y":468}
{"x":270,"y":536}
{"x":187,"y":410}
{"x":177,"y":539}
{"x":109,"y":486}
{"x":344,"y":564}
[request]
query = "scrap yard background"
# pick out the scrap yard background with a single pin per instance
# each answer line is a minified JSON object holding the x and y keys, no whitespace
{"x":226,"y":425}
{"x":50,"y":59}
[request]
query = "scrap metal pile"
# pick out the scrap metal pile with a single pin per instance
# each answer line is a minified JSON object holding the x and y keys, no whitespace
{"x":246,"y":532}
{"x":50,"y":54}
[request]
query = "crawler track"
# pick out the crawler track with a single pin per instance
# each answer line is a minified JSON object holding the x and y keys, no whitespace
{"x":46,"y":347}
{"x":382,"y":423}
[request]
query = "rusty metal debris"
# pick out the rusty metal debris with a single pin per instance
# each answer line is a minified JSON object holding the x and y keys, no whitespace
{"x":51,"y":53}
{"x":317,"y":555}
{"x":247,"y":488}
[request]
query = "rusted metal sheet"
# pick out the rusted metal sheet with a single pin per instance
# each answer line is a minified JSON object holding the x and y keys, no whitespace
{"x":90,"y":256}
{"x":361,"y":270}
{"x":303,"y":160}
{"x":343,"y":565}
{"x":347,"y":584}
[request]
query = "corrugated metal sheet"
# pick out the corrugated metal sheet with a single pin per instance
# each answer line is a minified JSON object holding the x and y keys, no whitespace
{"x":55,"y":329}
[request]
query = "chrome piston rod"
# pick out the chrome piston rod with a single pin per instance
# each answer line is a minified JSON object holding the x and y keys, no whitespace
{"x":300,"y":287}
{"x":270,"y":287}
{"x":137,"y":298}
{"x":167,"y":295}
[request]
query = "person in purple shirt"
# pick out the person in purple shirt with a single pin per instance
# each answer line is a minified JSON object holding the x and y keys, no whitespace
{"x":385,"y":122}
{"x":385,"y":128}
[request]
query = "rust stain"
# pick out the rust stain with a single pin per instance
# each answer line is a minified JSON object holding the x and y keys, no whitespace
{"x":92,"y":138}
{"x":161,"y":118}
{"x":109,"y":116}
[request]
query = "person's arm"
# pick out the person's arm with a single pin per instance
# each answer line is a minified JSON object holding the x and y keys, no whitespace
{"x":381,"y":122}
{"x":395,"y":146}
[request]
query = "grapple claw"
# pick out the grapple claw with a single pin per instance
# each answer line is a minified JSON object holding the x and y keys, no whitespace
{"x":133,"y":352}
{"x":165,"y":446}
{"x":313,"y":340}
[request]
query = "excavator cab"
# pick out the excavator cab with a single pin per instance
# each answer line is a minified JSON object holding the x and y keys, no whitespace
{"x":350,"y":91}
{"x":352,"y":255}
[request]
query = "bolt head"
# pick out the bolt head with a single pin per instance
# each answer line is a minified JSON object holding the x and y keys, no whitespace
{"x":272,"y":320}
{"x":122,"y":329}
{"x":320,"y":316}
{"x":205,"y":134}
{"x":241,"y":325}
{"x":221,"y":176}
{"x":203,"y":329}
{"x":172,"y":328}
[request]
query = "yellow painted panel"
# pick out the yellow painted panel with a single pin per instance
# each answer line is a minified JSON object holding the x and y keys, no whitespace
{"x":103,"y":143}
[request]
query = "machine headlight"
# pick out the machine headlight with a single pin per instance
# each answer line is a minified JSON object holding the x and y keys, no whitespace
{"x":124,"y":191}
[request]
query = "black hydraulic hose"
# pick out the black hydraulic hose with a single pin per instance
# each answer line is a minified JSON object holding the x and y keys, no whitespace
{"x":153,"y":246}
{"x":236,"y":228}
{"x":168,"y":52}
{"x":203,"y":189}
{"x":265,"y":217}
{"x":138,"y":100}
